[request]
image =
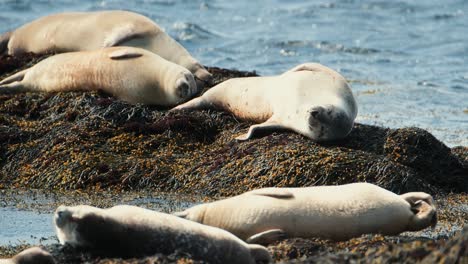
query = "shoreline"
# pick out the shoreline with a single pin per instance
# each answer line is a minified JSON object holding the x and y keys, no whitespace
{"x":90,"y":142}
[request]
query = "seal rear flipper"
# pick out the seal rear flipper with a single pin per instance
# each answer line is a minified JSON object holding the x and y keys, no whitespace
{"x":125,"y":53}
{"x":266,"y":127}
{"x":267,"y":237}
{"x":4,"y":39}
{"x":13,"y":88}
{"x":19,"y":76}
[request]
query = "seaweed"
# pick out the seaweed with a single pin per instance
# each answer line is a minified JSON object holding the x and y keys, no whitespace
{"x":91,"y":140}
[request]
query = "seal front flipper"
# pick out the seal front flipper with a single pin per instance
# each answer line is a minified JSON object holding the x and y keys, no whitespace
{"x":196,"y":103}
{"x":267,"y":237}
{"x":121,"y":34}
{"x":274,"y":193}
{"x":267,"y":126}
{"x":124,"y":53}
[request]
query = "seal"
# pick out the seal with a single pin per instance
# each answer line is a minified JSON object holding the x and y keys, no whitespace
{"x":130,"y":231}
{"x":34,"y":255}
{"x":310,"y":99}
{"x":81,"y":31}
{"x":132,"y":74}
{"x":331,"y":212}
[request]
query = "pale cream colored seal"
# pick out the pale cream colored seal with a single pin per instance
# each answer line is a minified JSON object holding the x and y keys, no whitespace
{"x":34,"y":255}
{"x":331,"y":212}
{"x":309,"y":99}
{"x":130,"y":231}
{"x":132,"y":74}
{"x":80,"y":31}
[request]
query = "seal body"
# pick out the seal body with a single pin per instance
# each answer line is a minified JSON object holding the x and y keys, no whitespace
{"x":80,"y":31}
{"x":132,"y":74}
{"x":129,"y":231}
{"x":34,"y":255}
{"x":309,"y":99}
{"x":331,"y":212}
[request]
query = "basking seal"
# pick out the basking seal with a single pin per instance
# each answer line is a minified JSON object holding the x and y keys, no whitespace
{"x":309,"y":99}
{"x":132,"y":74}
{"x":330,"y":212}
{"x":34,"y":255}
{"x":130,"y":231}
{"x":79,"y":31}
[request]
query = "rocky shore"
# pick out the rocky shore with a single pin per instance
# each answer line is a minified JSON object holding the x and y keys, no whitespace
{"x":90,"y":141}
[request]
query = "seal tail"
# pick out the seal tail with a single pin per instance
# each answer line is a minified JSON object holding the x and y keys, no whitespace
{"x":260,"y":253}
{"x":4,"y":39}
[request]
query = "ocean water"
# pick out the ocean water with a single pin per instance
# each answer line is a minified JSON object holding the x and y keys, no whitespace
{"x":407,"y":61}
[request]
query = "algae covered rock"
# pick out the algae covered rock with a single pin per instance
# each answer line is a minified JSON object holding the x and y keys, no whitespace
{"x":90,"y":140}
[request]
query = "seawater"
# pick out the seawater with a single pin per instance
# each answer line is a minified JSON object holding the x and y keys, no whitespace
{"x":406,"y":60}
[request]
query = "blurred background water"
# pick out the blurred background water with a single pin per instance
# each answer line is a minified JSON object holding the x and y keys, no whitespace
{"x":407,"y":60}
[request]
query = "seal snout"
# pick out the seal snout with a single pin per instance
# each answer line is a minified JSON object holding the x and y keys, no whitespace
{"x":425,"y":215}
{"x":186,"y":86}
{"x":62,"y":216}
{"x":316,"y":112}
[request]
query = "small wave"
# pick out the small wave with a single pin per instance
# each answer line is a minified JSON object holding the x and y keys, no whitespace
{"x":327,"y":47}
{"x":446,"y":16}
{"x":190,"y":31}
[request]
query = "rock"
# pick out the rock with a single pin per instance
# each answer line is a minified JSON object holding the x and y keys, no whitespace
{"x":90,"y":141}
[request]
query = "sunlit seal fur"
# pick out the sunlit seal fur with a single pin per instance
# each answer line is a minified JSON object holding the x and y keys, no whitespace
{"x":79,"y":31}
{"x":34,"y":255}
{"x":330,"y":212}
{"x":309,"y":99}
{"x":129,"y":231}
{"x":132,"y":74}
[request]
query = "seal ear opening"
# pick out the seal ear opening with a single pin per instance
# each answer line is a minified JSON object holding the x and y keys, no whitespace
{"x":124,"y":53}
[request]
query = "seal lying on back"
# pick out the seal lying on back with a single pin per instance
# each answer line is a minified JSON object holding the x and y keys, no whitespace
{"x":309,"y":99}
{"x":132,"y":74}
{"x":331,"y":212}
{"x":34,"y":255}
{"x":79,"y":31}
{"x":129,"y":231}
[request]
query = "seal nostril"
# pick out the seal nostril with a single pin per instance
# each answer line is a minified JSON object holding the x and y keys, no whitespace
{"x":314,"y":113}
